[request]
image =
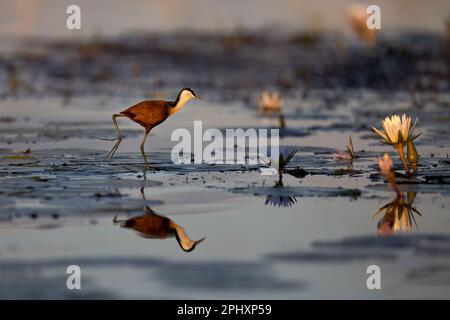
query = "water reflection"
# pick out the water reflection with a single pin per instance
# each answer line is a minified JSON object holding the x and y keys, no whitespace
{"x":279,"y":199}
{"x":152,"y":225}
{"x":399,"y":214}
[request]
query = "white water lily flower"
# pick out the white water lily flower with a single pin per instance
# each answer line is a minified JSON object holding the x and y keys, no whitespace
{"x":396,"y":130}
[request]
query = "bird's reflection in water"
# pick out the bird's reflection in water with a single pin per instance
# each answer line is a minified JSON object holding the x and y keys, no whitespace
{"x":154,"y":226}
{"x":280,"y":200}
{"x":398,"y":214}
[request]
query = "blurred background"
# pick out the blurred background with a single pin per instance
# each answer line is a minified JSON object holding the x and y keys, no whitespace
{"x":46,"y":18}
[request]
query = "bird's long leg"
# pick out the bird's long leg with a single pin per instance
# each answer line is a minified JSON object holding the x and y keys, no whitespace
{"x":142,"y":148}
{"x":118,"y":138}
{"x":113,"y":150}
{"x":115,"y":220}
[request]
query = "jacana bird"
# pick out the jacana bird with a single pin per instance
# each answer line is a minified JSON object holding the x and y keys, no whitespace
{"x":154,"y":226}
{"x":149,"y":114}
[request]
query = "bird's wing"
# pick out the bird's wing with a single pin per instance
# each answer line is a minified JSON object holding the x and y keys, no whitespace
{"x":148,"y":113}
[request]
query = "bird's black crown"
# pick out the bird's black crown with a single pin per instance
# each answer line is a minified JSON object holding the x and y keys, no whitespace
{"x":188,"y":89}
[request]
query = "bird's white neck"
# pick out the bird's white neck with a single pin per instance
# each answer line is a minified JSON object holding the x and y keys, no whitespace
{"x":180,"y":104}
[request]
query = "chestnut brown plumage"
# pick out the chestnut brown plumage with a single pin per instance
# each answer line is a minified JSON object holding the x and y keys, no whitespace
{"x":149,"y":114}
